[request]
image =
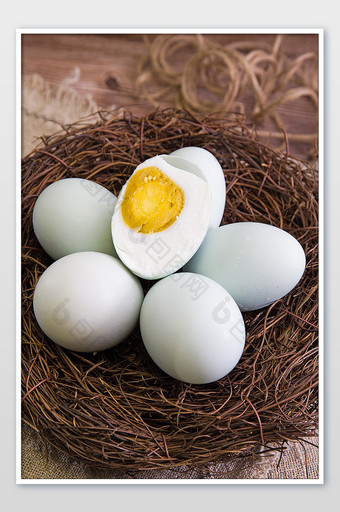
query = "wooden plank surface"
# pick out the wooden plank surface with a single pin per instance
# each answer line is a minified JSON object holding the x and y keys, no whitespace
{"x":107,"y":67}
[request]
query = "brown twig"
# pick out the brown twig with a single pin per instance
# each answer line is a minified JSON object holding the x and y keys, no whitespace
{"x":116,"y":409}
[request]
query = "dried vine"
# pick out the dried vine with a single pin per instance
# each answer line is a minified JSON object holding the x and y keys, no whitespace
{"x":225,"y":72}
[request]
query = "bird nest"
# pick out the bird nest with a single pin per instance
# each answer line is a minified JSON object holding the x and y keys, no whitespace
{"x":116,"y":409}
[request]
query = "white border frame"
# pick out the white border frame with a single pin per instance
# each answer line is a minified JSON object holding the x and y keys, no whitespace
{"x":316,"y":31}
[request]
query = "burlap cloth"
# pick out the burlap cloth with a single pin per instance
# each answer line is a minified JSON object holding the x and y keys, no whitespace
{"x":45,"y":109}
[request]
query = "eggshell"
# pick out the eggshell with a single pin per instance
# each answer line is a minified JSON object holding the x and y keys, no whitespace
{"x":73,"y":215}
{"x":192,"y":328}
{"x":204,"y":164}
{"x":256,"y":263}
{"x":87,"y":301}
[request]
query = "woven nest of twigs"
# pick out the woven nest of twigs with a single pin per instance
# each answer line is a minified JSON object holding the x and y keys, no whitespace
{"x":116,"y":409}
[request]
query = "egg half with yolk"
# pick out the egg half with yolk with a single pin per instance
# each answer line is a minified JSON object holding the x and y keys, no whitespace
{"x":160,"y":219}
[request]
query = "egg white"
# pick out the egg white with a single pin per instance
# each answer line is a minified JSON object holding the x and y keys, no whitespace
{"x":156,"y":255}
{"x":204,"y":164}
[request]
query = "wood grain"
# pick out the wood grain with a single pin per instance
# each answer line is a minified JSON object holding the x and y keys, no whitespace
{"x":107,"y":66}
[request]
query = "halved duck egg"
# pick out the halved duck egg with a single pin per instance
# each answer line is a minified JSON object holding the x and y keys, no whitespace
{"x":160,"y":219}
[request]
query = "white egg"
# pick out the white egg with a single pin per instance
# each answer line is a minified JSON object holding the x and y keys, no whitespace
{"x":192,"y":328}
{"x":204,"y":164}
{"x":257,"y":263}
{"x":73,"y":215}
{"x":161,"y":217}
{"x":87,"y":301}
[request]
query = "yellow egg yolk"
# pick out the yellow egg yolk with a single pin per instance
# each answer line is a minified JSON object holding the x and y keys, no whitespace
{"x":152,"y":201}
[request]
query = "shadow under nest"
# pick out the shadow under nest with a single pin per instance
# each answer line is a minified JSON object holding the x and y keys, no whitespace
{"x":116,"y":409}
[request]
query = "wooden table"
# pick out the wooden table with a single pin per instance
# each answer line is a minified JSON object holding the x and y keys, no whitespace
{"x":108,"y":63}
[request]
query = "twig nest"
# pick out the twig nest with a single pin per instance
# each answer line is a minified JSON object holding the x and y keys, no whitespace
{"x":115,"y":408}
